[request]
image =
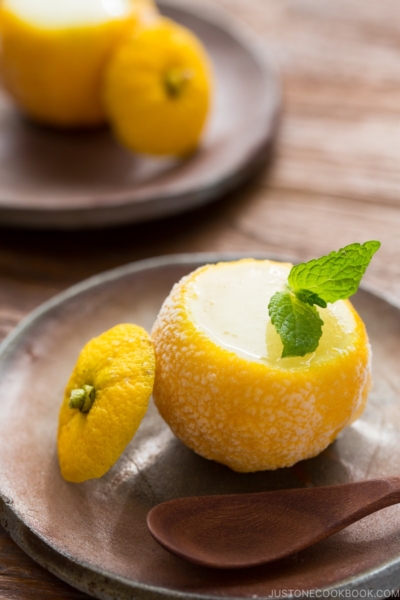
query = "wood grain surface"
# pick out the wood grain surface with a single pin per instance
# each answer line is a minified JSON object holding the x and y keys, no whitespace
{"x":334,"y":179}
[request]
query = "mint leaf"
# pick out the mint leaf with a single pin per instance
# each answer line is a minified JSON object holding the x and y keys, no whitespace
{"x":327,"y":279}
{"x":335,"y":276}
{"x":310,"y":298}
{"x":298,"y":324}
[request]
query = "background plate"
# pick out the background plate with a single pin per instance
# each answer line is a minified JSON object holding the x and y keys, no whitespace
{"x":56,"y":179}
{"x":94,"y":535}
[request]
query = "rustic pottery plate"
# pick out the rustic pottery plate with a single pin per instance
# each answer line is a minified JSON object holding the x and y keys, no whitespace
{"x":83,"y":179}
{"x":94,"y":535}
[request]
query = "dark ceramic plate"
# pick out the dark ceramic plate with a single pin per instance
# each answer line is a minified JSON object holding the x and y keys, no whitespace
{"x":55,"y":179}
{"x":94,"y":535}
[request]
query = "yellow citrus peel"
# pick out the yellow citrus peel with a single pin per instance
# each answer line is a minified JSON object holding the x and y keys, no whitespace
{"x":53,"y":56}
{"x":105,"y":401}
{"x":223,"y":386}
{"x":157,"y":90}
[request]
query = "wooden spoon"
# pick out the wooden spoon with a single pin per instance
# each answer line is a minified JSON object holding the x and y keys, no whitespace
{"x":245,"y":530}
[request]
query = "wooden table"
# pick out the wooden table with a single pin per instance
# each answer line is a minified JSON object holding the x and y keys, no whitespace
{"x":335,"y":179}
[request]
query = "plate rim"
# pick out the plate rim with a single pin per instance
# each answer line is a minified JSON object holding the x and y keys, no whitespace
{"x":84,"y":576}
{"x":154,"y":206}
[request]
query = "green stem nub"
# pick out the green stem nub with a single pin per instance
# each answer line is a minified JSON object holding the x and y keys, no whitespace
{"x":83,"y":398}
{"x":175,"y":81}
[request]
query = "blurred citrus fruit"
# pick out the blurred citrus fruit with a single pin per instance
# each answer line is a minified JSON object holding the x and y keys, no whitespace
{"x":157,"y":90}
{"x":53,"y":54}
{"x":105,"y":401}
{"x":222,"y":386}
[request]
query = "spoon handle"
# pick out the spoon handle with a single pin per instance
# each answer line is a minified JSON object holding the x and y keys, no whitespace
{"x":341,"y":505}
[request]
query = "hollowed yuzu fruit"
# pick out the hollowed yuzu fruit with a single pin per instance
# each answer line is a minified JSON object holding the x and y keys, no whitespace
{"x":222,"y":385}
{"x":53,"y":54}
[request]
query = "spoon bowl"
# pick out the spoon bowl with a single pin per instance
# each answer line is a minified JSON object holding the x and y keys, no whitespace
{"x":246,"y":530}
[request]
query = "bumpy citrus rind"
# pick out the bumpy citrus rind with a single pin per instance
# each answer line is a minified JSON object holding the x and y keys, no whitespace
{"x":143,"y":116}
{"x":249,"y":415}
{"x":55,"y":75}
{"x":120,"y":365}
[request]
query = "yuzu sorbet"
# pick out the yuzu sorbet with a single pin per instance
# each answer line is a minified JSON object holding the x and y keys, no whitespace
{"x":222,"y":385}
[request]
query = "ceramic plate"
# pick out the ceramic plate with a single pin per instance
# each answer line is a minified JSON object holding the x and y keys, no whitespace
{"x":56,"y":179}
{"x":94,"y":535}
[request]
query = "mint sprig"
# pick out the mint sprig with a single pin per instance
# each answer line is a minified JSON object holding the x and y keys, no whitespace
{"x":317,"y":282}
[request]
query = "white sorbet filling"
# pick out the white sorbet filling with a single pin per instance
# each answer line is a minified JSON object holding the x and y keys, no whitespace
{"x":230,"y":305}
{"x":67,"y":13}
